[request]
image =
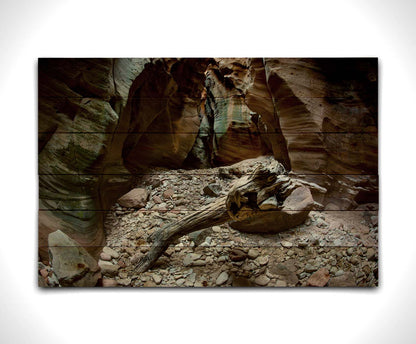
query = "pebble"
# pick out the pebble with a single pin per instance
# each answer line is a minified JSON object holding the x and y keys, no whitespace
{"x":371,"y":254}
{"x":44,"y":273}
{"x":216,"y":229}
{"x":108,"y":268}
{"x":180,"y":282}
{"x":262,"y":280}
{"x":253,"y":253}
{"x":168,"y":193}
{"x":190,"y":258}
{"x":280,"y":283}
{"x":157,"y":278}
{"x":339,"y":273}
{"x":310,"y":268}
{"x":263,"y":260}
{"x":111,"y":252}
{"x":149,"y":284}
{"x":199,"y":262}
{"x":122,"y":274}
{"x":107,"y":282}
{"x":124,"y":281}
{"x":222,"y":278}
{"x":105,"y":256}
{"x":192,"y":277}
{"x":354,"y":260}
{"x":320,"y":223}
{"x":286,"y":244}
{"x":157,"y":199}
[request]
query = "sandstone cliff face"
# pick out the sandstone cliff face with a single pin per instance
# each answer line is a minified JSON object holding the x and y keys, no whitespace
{"x":165,"y":120}
{"x":328,"y":115}
{"x":316,"y":116}
{"x":102,"y":119}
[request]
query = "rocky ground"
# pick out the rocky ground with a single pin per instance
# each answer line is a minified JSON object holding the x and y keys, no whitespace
{"x":331,"y":248}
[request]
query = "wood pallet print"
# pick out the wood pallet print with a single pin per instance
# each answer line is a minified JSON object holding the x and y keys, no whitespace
{"x":208,"y":172}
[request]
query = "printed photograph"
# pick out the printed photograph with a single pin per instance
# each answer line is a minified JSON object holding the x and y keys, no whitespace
{"x":208,"y":172}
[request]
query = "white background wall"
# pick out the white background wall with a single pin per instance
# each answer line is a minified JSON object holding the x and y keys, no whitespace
{"x":357,"y":28}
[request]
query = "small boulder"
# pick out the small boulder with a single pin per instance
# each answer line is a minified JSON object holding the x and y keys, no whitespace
{"x":136,"y":198}
{"x":71,"y":263}
{"x":319,"y":279}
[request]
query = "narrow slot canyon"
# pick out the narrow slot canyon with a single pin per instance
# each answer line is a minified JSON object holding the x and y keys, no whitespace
{"x":128,"y":147}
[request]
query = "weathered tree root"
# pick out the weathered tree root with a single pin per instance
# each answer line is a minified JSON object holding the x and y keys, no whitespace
{"x":210,"y":215}
{"x":243,"y":200}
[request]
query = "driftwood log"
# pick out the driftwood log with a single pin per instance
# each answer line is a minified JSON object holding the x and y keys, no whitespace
{"x":245,"y":200}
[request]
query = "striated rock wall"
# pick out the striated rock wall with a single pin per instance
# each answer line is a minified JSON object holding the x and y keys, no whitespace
{"x":328,"y":115}
{"x":165,"y":120}
{"x":318,"y":117}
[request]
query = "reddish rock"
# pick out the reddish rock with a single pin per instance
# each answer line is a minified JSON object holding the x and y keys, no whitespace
{"x":319,"y":279}
{"x":149,"y":284}
{"x":42,"y":282}
{"x":157,"y":199}
{"x":44,"y":273}
{"x":346,"y":280}
{"x":105,"y":256}
{"x":168,"y":193}
{"x":136,"y":198}
{"x":109,"y":283}
{"x":237,"y":255}
{"x":71,"y":263}
{"x":121,"y":263}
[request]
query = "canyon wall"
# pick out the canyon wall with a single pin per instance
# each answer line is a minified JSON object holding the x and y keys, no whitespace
{"x":102,"y":121}
{"x":318,"y":117}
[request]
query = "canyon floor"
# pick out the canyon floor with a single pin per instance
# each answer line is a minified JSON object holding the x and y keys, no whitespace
{"x":331,"y":248}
